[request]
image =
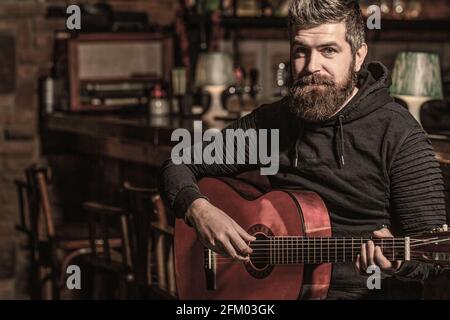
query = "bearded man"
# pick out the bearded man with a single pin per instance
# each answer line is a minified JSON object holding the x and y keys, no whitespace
{"x":341,"y":136}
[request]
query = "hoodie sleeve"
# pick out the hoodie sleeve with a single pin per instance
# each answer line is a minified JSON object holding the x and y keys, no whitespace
{"x":417,"y":197}
{"x":178,"y":183}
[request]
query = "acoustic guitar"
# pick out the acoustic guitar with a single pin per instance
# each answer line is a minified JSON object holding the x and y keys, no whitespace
{"x":293,"y":252}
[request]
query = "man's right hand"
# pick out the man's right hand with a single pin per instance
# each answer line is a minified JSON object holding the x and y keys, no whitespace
{"x":218,"y":232}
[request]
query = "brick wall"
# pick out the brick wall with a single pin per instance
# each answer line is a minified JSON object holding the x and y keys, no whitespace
{"x":24,"y":21}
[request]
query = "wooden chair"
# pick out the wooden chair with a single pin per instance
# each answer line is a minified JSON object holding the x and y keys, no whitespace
{"x":108,"y":223}
{"x":53,"y":248}
{"x":152,"y":242}
{"x":24,"y":226}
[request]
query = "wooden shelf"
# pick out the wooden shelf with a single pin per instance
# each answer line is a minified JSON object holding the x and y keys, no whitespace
{"x":281,"y":22}
{"x":276,"y":27}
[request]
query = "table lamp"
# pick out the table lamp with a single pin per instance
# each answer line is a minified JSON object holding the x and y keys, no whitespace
{"x":214,"y":73}
{"x":416,"y":79}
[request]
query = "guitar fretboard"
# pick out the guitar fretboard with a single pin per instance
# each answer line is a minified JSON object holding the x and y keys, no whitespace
{"x":315,"y":250}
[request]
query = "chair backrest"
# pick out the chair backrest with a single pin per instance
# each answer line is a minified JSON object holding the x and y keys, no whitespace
{"x":106,"y":224}
{"x":23,"y":191}
{"x":138,"y":203}
{"x":152,"y":247}
{"x":39,"y":202}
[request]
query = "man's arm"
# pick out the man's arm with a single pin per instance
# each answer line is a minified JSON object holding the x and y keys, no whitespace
{"x":417,"y":198}
{"x":178,"y":183}
{"x":179,"y":190}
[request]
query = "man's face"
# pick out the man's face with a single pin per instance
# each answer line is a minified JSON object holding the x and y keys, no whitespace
{"x":323,"y":69}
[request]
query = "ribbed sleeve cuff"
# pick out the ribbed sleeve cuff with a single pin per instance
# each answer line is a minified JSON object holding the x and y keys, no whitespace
{"x":184,"y":200}
{"x":413,"y":270}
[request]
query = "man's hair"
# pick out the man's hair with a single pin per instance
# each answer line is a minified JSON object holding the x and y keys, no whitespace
{"x":312,"y":13}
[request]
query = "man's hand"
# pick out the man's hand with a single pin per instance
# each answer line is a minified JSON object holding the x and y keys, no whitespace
{"x":218,"y":232}
{"x":372,"y":255}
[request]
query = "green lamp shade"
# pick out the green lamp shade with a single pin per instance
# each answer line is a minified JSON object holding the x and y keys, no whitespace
{"x":417,"y":74}
{"x":214,"y":68}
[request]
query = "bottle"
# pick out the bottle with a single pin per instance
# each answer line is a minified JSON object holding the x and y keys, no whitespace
{"x":159,"y":106}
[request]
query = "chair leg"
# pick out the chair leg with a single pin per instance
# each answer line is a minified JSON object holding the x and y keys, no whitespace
{"x":160,"y":260}
{"x":45,"y":285}
{"x":171,"y":269}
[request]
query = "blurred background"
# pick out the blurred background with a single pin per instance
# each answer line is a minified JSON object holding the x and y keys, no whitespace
{"x":86,"y":117}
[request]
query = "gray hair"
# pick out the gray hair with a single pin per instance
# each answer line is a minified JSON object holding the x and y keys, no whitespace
{"x":312,"y":13}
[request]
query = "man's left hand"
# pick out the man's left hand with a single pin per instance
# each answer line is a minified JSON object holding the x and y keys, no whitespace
{"x":372,"y":255}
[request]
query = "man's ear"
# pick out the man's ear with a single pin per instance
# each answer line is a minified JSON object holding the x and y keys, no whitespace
{"x":360,"y":55}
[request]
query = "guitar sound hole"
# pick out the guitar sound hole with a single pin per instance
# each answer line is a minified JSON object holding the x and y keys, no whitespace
{"x":260,"y":256}
{"x":259,"y":265}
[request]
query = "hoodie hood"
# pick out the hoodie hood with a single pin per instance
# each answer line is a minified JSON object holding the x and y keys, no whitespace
{"x":373,"y":82}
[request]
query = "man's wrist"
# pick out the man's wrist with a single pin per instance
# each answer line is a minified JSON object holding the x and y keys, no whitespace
{"x":194,"y":209}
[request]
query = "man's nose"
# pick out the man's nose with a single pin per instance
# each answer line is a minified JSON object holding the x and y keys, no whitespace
{"x":313,"y":62}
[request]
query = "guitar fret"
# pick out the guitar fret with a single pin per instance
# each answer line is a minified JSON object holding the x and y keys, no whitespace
{"x":270,"y":251}
{"x":343,"y":249}
{"x":308,"y":251}
{"x":290,"y":250}
{"x":328,"y":249}
{"x":393,"y":250}
{"x":280,"y":255}
{"x":303,"y":248}
{"x":353,"y":255}
{"x":287,"y":250}
{"x":335,"y":249}
{"x":361,"y":244}
{"x":321,"y":259}
{"x":282,"y":252}
{"x":274,"y":251}
{"x":314,"y":260}
{"x":277,"y":251}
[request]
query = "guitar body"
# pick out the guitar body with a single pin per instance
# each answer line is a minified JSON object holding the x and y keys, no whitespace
{"x":276,"y":213}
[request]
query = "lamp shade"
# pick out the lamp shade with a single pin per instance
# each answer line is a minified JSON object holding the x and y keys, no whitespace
{"x":214,"y":68}
{"x":417,"y":74}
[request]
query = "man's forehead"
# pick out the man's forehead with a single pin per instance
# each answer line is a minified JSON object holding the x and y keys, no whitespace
{"x":325,"y":32}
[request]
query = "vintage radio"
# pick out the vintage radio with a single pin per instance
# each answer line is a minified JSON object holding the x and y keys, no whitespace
{"x":107,"y":71}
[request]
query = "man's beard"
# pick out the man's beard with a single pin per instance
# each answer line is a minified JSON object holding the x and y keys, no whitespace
{"x":316,"y":98}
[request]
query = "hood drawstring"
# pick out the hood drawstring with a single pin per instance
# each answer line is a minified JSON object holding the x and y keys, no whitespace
{"x":297,"y":145}
{"x":340,"y":144}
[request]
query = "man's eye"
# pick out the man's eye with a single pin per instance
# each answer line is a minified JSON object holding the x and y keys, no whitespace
{"x":329,"y":51}
{"x":301,"y":52}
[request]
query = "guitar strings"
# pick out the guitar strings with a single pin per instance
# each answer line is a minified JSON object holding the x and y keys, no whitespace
{"x":224,"y":260}
{"x":263,"y":253}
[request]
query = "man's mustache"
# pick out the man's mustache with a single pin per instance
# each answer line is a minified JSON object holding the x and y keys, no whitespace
{"x":313,"y":79}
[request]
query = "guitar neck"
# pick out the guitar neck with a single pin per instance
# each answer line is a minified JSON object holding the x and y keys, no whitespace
{"x":315,"y":250}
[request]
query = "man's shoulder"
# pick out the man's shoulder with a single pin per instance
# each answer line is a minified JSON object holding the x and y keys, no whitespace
{"x":399,"y":113}
{"x":398,"y":117}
